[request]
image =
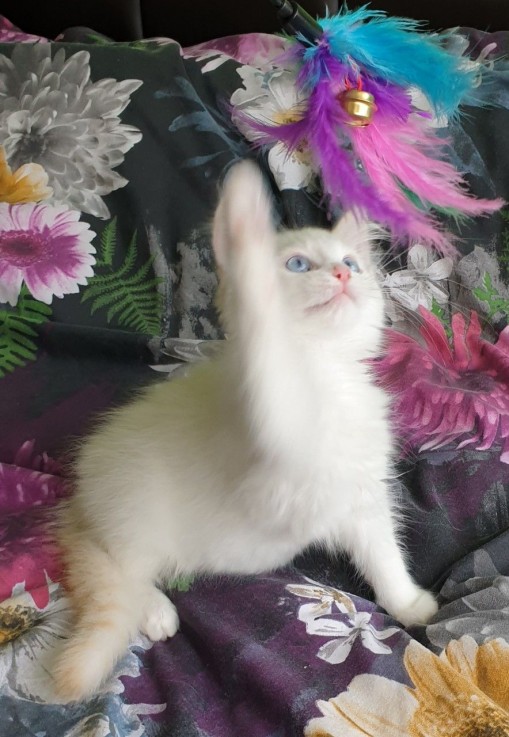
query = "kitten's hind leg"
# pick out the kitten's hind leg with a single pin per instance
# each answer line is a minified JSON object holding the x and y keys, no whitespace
{"x":107,"y":598}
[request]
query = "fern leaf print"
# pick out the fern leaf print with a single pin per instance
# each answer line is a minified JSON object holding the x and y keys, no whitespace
{"x":128,"y":293}
{"x":488,"y":293}
{"x":18,"y":331}
{"x":108,"y":243}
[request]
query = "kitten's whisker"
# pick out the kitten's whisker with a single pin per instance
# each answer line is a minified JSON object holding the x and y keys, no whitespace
{"x":391,"y":254}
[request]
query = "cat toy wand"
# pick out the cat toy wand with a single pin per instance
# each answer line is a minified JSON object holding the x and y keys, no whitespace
{"x":358,"y":75}
{"x":296,"y":21}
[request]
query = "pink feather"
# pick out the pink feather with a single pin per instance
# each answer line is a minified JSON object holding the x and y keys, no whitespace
{"x":393,"y":151}
{"x":409,"y":151}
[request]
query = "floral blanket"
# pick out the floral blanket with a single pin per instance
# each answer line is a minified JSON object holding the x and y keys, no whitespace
{"x":110,"y":158}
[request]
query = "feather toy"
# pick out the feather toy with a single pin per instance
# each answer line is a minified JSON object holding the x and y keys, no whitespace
{"x":374,"y":150}
{"x":396,"y":50}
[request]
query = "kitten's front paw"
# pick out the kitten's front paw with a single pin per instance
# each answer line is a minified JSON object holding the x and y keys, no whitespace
{"x":419,"y":611}
{"x":160,"y":619}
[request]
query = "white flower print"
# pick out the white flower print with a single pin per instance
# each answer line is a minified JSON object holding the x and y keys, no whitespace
{"x":254,"y":88}
{"x":28,"y":636}
{"x":419,"y":284}
{"x":273,"y":98}
{"x":326,"y":597}
{"x":345,"y":632}
{"x":27,"y":633}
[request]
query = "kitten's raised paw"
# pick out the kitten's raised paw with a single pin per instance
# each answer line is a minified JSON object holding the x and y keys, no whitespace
{"x":160,"y":619}
{"x":419,"y":611}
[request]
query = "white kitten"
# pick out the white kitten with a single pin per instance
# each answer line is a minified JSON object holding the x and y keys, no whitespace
{"x":279,"y":442}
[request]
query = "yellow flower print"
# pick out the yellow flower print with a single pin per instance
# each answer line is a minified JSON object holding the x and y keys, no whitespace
{"x":462,"y":693}
{"x":14,"y":621}
{"x":487,"y":666}
{"x":29,"y":183}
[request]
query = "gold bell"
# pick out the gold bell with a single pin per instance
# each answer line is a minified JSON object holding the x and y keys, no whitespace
{"x":359,"y":105}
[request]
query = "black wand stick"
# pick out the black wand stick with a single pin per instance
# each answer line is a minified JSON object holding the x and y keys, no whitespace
{"x":296,"y":21}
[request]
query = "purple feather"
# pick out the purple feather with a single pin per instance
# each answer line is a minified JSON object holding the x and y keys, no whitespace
{"x":343,"y":182}
{"x":368,"y":168}
{"x":390,"y":99}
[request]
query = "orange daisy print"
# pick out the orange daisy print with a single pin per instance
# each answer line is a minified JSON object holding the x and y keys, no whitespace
{"x":464,"y":692}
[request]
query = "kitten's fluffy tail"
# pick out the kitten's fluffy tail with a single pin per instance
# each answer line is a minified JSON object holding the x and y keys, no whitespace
{"x":107,"y":606}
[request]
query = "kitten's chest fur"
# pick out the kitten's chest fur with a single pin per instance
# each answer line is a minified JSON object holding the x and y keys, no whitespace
{"x":277,"y":507}
{"x":307,"y":493}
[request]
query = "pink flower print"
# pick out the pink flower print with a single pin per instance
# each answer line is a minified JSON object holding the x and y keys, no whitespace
{"x":262,"y":50}
{"x":259,"y":50}
{"x":28,"y":555}
{"x":449,"y":391}
{"x":26,"y":458}
{"x":9,"y":33}
{"x":46,"y":247}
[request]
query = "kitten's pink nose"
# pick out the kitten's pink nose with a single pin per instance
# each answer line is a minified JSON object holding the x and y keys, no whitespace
{"x":341,"y":272}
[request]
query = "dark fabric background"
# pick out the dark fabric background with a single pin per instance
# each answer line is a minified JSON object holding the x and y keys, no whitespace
{"x":195,"y":21}
{"x":188,"y":22}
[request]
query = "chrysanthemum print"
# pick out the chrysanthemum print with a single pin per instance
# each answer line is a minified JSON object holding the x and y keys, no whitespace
{"x":449,"y":391}
{"x":54,"y":115}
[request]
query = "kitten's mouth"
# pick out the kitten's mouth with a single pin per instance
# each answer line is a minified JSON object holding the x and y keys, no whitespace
{"x":336,"y":299}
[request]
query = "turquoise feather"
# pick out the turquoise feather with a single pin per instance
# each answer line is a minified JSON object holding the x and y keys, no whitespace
{"x":397,"y":50}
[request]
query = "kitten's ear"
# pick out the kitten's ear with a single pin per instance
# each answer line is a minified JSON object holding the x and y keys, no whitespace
{"x":244,"y":212}
{"x":356,"y":232}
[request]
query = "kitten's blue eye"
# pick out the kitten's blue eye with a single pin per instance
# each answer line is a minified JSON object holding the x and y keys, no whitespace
{"x":352,"y":264}
{"x":299,"y":264}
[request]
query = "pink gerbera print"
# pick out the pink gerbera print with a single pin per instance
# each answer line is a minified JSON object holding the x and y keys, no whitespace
{"x":46,"y":247}
{"x":449,"y":391}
